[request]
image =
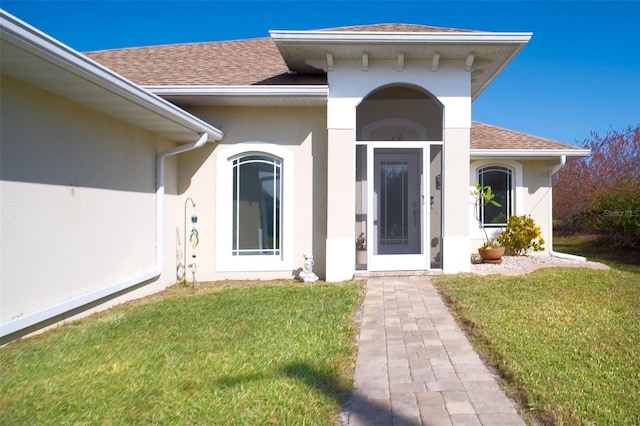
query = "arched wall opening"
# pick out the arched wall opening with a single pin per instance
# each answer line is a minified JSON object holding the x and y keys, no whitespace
{"x":398,"y":197}
{"x":399,"y":113}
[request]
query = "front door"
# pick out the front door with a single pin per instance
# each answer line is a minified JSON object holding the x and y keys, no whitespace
{"x":398,"y":210}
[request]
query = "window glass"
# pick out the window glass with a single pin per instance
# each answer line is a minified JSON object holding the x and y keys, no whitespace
{"x":257,"y":202}
{"x":500,"y":181}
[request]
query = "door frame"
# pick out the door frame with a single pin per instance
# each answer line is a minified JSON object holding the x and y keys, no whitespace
{"x":400,"y":262}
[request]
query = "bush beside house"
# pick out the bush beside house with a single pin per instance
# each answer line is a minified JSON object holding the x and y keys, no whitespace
{"x":601,"y":194}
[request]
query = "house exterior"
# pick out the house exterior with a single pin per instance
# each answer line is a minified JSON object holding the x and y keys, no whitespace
{"x":282,"y":146}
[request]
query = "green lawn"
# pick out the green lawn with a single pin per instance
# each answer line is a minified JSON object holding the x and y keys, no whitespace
{"x":281,"y":353}
{"x":565,"y":340}
{"x":595,"y":249}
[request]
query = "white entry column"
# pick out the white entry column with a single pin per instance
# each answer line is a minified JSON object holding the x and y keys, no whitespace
{"x":340,"y":204}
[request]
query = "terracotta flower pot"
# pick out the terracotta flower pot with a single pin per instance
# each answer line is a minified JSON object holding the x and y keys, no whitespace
{"x":491,"y":255}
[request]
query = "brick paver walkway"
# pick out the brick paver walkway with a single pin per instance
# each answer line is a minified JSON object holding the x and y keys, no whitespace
{"x":416,"y":367}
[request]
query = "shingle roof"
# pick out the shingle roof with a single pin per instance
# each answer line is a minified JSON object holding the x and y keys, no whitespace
{"x":222,"y":63}
{"x":486,"y":136}
{"x":258,"y":62}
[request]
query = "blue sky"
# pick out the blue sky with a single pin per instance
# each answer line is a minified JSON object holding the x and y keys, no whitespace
{"x":579,"y":73}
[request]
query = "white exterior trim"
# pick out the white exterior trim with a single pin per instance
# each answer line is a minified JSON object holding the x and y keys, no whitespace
{"x":419,"y":261}
{"x":503,"y":153}
{"x":320,"y":91}
{"x":225,"y":261}
{"x":455,"y":264}
{"x":345,"y":37}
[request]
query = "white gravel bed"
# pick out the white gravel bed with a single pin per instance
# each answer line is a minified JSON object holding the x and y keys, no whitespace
{"x":514,"y":265}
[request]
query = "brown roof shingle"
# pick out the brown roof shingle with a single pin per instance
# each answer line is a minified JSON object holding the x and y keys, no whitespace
{"x":222,"y":63}
{"x":486,"y":136}
{"x":258,"y":61}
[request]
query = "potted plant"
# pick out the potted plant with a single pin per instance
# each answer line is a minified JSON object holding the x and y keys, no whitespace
{"x":361,"y":249}
{"x":491,"y":251}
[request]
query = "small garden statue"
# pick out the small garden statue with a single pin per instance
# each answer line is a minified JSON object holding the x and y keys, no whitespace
{"x":361,"y":249}
{"x":307,"y":274}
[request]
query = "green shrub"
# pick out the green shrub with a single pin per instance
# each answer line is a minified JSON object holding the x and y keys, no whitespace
{"x":521,"y":235}
{"x":618,"y":217}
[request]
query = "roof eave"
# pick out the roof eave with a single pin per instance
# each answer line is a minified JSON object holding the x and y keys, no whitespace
{"x":528,"y":153}
{"x":320,"y":91}
{"x":493,"y":76}
{"x":301,"y":49}
{"x":248,"y":95}
{"x":48,"y":52}
{"x":345,"y":37}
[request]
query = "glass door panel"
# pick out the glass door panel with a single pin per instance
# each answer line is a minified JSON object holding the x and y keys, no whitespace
{"x":435,"y":216}
{"x":398,"y":210}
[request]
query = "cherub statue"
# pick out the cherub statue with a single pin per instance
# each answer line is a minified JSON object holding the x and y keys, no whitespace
{"x":307,"y":274}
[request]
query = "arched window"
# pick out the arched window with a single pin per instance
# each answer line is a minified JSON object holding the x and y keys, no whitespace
{"x":500,"y":179}
{"x":257,"y":205}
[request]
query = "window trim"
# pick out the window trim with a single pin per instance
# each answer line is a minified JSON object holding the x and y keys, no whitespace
{"x":517,"y":195}
{"x":226,"y":261}
{"x":275,"y":163}
{"x":510,"y":193}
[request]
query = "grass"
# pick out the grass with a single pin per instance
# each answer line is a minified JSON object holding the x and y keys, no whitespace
{"x":566,"y":341}
{"x":596,"y":249}
{"x":268,"y":354}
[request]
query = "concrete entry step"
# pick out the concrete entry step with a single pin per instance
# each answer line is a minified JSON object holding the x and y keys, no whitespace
{"x":382,"y":274}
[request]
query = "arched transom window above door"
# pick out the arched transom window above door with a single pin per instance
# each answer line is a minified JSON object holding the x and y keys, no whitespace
{"x":399,"y":113}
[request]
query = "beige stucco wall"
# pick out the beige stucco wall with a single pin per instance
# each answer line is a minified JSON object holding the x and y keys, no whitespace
{"x":455,"y":199}
{"x":536,"y":196}
{"x":341,"y":205}
{"x":301,"y":133}
{"x":531,"y":196}
{"x":78,"y":202}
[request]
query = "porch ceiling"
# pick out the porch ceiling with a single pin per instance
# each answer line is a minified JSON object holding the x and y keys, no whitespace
{"x":483,"y":54}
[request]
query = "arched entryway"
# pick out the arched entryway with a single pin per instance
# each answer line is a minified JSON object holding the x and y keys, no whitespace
{"x":399,"y":132}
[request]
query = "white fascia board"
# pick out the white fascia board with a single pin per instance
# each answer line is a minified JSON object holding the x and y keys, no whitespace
{"x":396,"y":37}
{"x":483,"y":153}
{"x":41,"y":45}
{"x":320,"y":91}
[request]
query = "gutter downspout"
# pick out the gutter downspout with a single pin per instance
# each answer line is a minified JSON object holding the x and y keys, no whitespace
{"x":552,"y":171}
{"x":18,"y":324}
{"x":160,"y":192}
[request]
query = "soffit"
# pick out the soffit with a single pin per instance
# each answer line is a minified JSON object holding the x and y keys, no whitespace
{"x":246,"y":96}
{"x":243,"y":101}
{"x":483,"y":54}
